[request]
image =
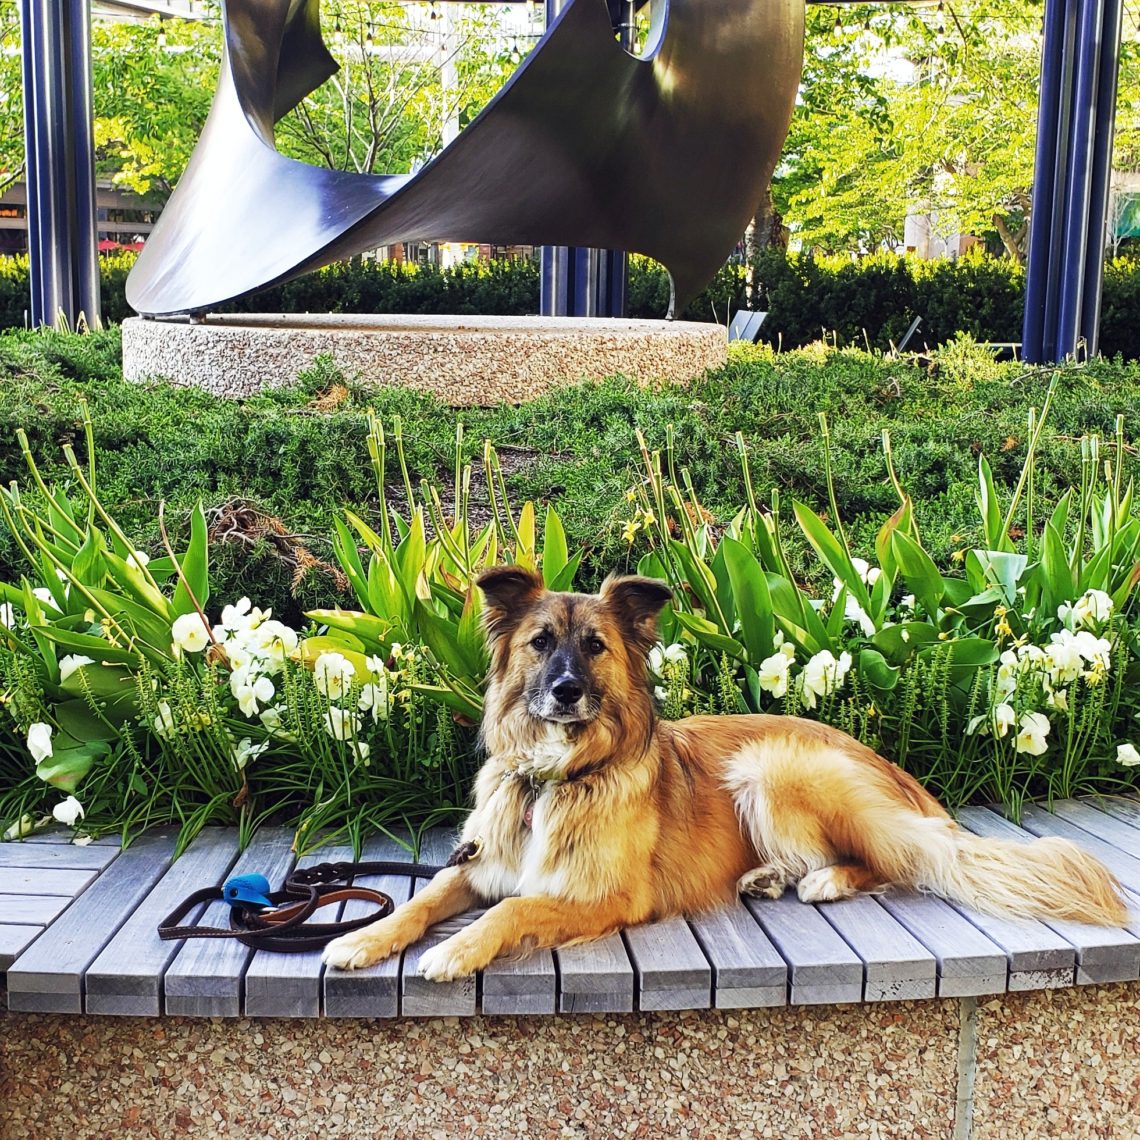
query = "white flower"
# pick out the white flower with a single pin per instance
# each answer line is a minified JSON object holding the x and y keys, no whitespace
{"x":853,"y":611}
{"x":362,"y":752}
{"x":660,"y":695}
{"x":70,"y":663}
{"x":332,"y":674}
{"x":374,"y":698}
{"x":1063,"y":658}
{"x":661,"y":655}
{"x":1092,"y":608}
{"x":69,"y":812}
{"x":822,"y":675}
{"x":271,"y":642}
{"x":39,"y":741}
{"x":999,"y":722}
{"x":1127,"y":755}
{"x":906,"y":602}
{"x":81,"y":840}
{"x":164,"y":722}
{"x":1058,"y":699}
{"x":238,"y":618}
{"x":7,"y":615}
{"x":341,"y":724}
{"x":45,"y":596}
{"x":189,"y":633}
{"x":1031,"y":733}
{"x":245,"y":751}
{"x":774,"y":672}
{"x":375,"y":665}
{"x":250,"y":690}
{"x":137,"y":559}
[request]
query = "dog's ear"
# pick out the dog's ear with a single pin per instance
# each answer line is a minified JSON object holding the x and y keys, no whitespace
{"x":635,"y":602}
{"x":510,"y":591}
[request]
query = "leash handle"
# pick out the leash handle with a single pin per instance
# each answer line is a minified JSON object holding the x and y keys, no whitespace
{"x":306,"y":889}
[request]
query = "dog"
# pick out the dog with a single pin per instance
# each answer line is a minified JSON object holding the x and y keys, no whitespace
{"x":592,"y":815}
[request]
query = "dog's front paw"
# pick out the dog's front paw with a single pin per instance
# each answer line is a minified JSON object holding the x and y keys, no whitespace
{"x":447,"y":961}
{"x":363,"y":947}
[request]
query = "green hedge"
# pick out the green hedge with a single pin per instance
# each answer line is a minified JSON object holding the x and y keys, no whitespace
{"x":866,"y":303}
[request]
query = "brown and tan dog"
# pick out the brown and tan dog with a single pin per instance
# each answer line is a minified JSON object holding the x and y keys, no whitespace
{"x":591,"y":815}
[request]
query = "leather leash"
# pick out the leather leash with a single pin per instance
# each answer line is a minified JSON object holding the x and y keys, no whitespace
{"x":306,"y":890}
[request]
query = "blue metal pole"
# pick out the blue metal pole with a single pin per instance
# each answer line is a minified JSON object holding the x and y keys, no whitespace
{"x":1062,"y":178}
{"x":62,"y":235}
{"x":1075,"y":234}
{"x":81,"y":164}
{"x":1044,"y":171}
{"x":1104,"y":127}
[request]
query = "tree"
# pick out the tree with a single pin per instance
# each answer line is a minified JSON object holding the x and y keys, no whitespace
{"x":925,"y":111}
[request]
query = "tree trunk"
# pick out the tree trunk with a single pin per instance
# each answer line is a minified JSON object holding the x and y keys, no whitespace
{"x":765,"y":231}
{"x":1016,"y":244}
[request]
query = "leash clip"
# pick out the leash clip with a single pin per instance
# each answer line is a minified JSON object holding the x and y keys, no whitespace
{"x":251,"y":889}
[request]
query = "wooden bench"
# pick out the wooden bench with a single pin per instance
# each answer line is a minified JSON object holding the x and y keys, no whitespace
{"x":77,"y":935}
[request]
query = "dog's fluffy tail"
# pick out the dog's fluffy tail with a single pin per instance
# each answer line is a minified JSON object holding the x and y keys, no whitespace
{"x":1045,"y":878}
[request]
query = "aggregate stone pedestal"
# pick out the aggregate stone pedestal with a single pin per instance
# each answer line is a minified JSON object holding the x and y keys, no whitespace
{"x":462,"y":360}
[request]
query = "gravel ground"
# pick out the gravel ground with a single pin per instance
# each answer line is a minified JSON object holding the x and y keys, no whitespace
{"x":1059,"y":1063}
{"x":876,"y":1070}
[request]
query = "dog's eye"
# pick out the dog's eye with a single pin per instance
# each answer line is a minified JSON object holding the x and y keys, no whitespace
{"x":595,"y":645}
{"x":541,"y":642}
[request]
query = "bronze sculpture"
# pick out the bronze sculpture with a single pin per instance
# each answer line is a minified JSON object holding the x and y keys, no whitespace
{"x":665,"y":154}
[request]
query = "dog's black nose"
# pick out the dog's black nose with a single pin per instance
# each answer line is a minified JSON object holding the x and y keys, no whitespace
{"x":567,"y":691}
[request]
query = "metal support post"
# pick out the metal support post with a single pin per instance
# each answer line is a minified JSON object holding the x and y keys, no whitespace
{"x":1079,"y":68}
{"x":62,"y":231}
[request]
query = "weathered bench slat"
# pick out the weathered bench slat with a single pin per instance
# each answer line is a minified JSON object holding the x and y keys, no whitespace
{"x":1103,"y":954}
{"x":57,"y":833}
{"x":672,"y":970}
{"x":126,"y":977}
{"x":92,"y":858}
{"x":206,"y":977}
{"x":31,"y":910}
{"x":418,"y":996}
{"x":748,"y":971}
{"x":595,"y":977}
{"x":824,"y":969}
{"x":45,"y":881}
{"x":48,"y":976}
{"x":289,"y":985}
{"x":375,"y":990}
{"x":14,"y":940}
{"x":969,"y":964}
{"x":1087,"y":815}
{"x":1126,"y":808}
{"x":526,"y":985}
{"x":895,"y":964}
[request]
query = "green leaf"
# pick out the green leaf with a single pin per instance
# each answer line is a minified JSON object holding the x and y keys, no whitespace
{"x":83,"y":643}
{"x":374,"y":634}
{"x":344,"y":548}
{"x":827,"y":546}
{"x":524,"y":555}
{"x":67,"y":765}
{"x":899,"y":642}
{"x":564,"y":580}
{"x":130,"y":580}
{"x":1003,"y":569}
{"x":77,"y":720}
{"x":919,"y":572}
{"x":990,"y":508}
{"x":701,"y":581}
{"x":900,"y":520}
{"x":195,"y":567}
{"x":752,"y":600}
{"x":876,"y":671}
{"x":468,"y":706}
{"x":708,"y":635}
{"x":87,"y":565}
{"x":554,"y":551}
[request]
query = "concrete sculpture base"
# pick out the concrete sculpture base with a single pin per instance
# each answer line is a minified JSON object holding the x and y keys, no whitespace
{"x":462,"y":360}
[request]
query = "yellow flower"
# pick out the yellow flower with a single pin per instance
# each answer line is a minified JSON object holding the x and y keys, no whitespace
{"x":1003,"y":628}
{"x":958,"y":556}
{"x":648,"y":518}
{"x":631,"y":496}
{"x":629,"y":530}
{"x":872,"y":711}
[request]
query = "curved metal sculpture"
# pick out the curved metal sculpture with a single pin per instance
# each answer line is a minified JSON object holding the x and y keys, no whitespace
{"x":665,"y":154}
